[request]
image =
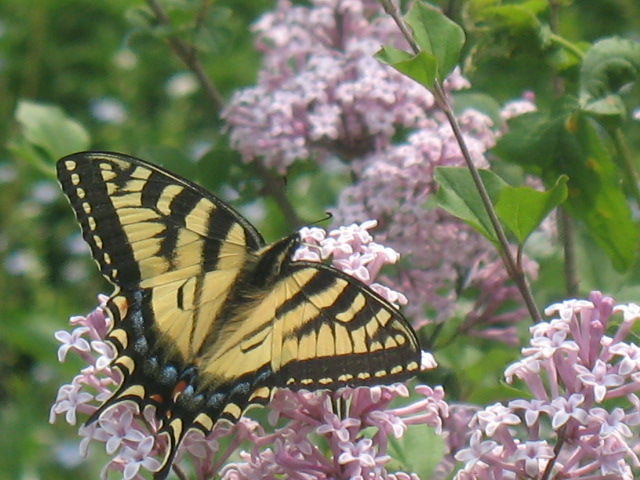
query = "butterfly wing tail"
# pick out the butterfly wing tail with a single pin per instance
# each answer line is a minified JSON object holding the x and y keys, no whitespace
{"x":175,"y":431}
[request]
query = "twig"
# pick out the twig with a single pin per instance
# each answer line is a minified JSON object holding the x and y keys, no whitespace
{"x":513,"y":269}
{"x":567,"y":234}
{"x":188,"y":55}
{"x":565,"y":225}
{"x":273,"y":185}
{"x":556,"y":452}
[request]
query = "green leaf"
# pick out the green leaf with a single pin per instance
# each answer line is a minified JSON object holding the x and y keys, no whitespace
{"x":516,"y":18}
{"x":422,"y":67}
{"x":225,"y":162}
{"x":459,"y":196}
{"x":213,"y":33}
{"x":522,"y":209}
{"x":410,"y":453}
{"x":532,"y":142}
{"x":171,"y":158}
{"x":608,"y":66}
{"x":608,"y":106}
{"x":437,"y":35}
{"x":46,"y":134}
{"x":140,"y":18}
{"x":49,"y":129}
{"x":597,"y":197}
{"x":568,"y":142}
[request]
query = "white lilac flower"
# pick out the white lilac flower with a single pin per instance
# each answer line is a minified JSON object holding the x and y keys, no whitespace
{"x":132,"y":459}
{"x":181,"y":85}
{"x":69,"y":400}
{"x":514,"y":108}
{"x":73,"y":340}
{"x":109,"y":110}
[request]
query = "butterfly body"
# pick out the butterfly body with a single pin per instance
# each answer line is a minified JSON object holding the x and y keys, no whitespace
{"x":209,"y":319}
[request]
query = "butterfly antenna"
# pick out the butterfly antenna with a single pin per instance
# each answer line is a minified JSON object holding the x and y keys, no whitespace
{"x":327,"y":216}
{"x":311,"y":245}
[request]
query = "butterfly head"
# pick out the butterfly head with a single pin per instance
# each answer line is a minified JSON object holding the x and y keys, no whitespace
{"x":273,"y":259}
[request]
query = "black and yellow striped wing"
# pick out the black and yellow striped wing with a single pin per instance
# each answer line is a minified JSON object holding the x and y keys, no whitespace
{"x":207,"y":319}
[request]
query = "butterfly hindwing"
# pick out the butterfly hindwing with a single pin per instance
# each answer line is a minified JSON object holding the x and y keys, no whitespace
{"x":207,"y":319}
{"x":335,"y":331}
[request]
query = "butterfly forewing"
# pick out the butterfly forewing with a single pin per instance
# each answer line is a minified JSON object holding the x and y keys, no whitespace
{"x":207,"y":319}
{"x":146,"y":226}
{"x":149,"y":229}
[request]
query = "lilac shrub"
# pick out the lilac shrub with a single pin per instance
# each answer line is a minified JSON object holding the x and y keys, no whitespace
{"x":292,"y":449}
{"x":580,"y":416}
{"x":322,"y":95}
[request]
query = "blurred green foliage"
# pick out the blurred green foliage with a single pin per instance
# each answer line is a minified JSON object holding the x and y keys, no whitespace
{"x":102,"y":68}
{"x":97,"y":67}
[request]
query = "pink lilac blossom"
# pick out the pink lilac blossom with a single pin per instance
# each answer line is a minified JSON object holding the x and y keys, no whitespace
{"x":130,"y":437}
{"x":583,"y":416}
{"x":517,"y":107}
{"x":321,"y":92}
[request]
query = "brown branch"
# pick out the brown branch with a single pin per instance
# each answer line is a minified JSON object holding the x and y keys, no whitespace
{"x":556,"y":453}
{"x":567,"y":235}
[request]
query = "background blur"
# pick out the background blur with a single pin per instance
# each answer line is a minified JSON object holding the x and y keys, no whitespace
{"x":98,"y":63}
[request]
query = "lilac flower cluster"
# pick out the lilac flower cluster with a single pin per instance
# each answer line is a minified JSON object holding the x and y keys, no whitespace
{"x":353,"y":251}
{"x":581,"y":416}
{"x":126,"y":437}
{"x":321,"y":94}
{"x":294,"y":451}
{"x":521,"y":106}
{"x":393,"y":187}
{"x":131,"y":438}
